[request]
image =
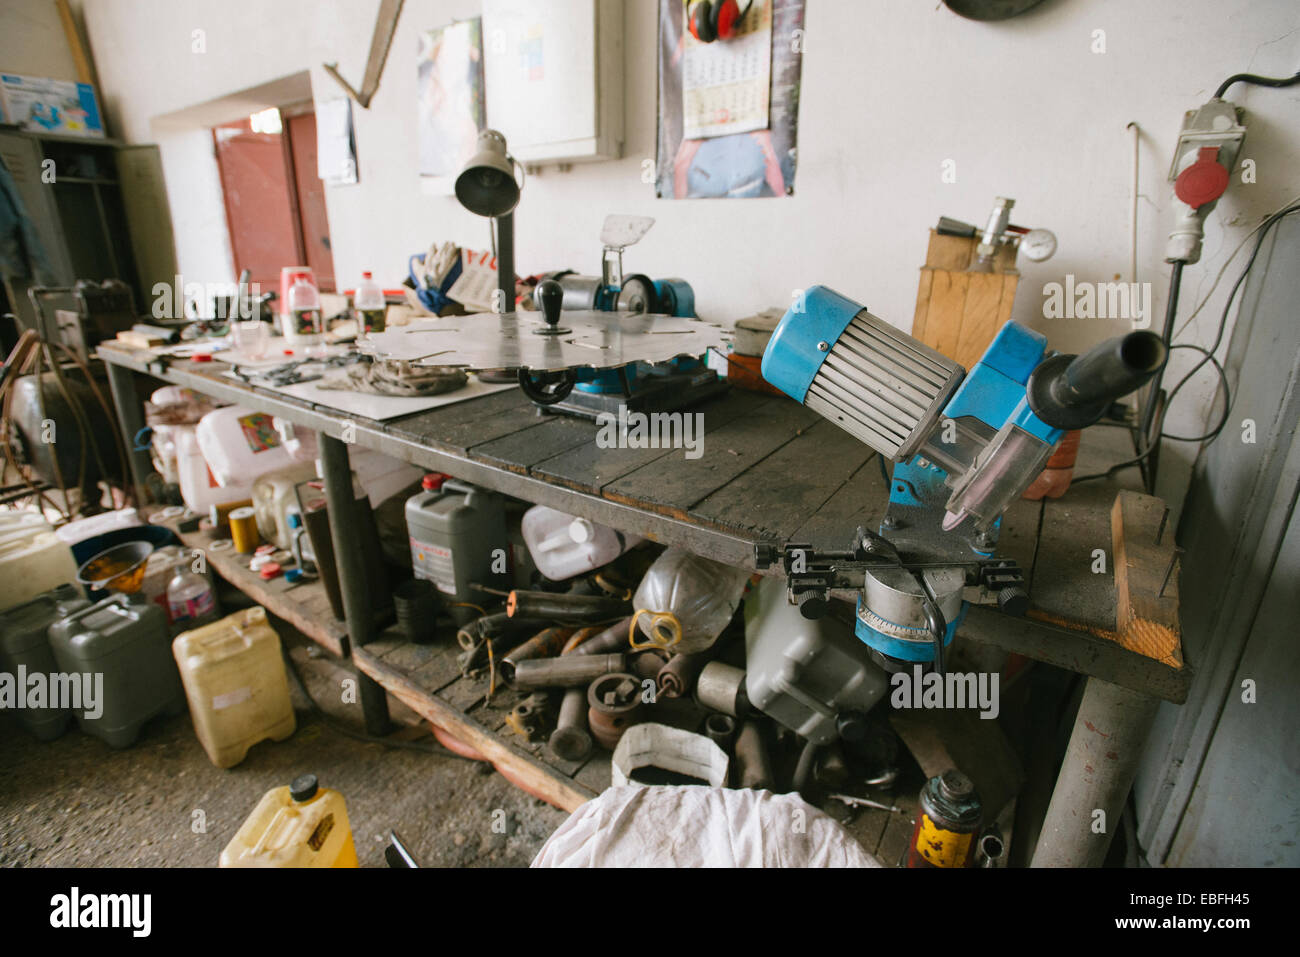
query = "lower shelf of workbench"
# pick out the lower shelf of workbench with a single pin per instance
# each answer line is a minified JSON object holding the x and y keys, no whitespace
{"x":428,"y":680}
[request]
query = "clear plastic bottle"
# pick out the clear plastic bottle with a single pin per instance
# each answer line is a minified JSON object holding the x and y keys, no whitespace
{"x":304,"y":326}
{"x":190,"y":599}
{"x":369,"y":305}
{"x":684,"y":594}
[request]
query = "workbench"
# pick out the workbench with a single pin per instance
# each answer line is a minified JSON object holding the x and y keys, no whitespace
{"x":772,"y":471}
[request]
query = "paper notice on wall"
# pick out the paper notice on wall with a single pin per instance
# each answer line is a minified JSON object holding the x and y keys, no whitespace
{"x":726,"y":85}
{"x":336,"y":149}
{"x":477,"y":283}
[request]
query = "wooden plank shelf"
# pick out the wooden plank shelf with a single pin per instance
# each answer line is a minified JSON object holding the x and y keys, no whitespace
{"x":304,"y":605}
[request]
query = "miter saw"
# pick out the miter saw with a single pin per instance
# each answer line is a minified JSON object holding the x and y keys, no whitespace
{"x":966,"y":444}
{"x":641,"y":386}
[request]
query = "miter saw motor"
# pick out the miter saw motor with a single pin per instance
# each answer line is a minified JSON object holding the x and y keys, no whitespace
{"x":966,"y":444}
{"x":641,"y":387}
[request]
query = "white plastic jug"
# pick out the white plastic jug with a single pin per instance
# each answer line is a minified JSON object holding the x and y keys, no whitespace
{"x":274,"y":497}
{"x":240,"y":445}
{"x":102,"y":524}
{"x":685,"y":601}
{"x":199,"y":487}
{"x":563,"y":546}
{"x":32,"y":565}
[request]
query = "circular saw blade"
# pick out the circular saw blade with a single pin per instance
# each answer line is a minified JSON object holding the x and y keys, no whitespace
{"x":590,"y":339}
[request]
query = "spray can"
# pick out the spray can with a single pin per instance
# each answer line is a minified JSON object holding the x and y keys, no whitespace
{"x":947,"y":822}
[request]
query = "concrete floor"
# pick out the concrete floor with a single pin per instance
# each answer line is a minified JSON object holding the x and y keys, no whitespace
{"x":76,"y":802}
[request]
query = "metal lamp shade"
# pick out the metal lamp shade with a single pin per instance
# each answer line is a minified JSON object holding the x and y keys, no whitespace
{"x":487,"y":185}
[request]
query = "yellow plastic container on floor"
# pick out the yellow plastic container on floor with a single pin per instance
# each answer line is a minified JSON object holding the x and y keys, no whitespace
{"x":236,"y":685}
{"x":302,"y":825}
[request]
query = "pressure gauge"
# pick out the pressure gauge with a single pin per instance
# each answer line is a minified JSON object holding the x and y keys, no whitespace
{"x":1038,"y":244}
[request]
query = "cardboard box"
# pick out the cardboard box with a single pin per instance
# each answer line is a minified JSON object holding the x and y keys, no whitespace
{"x":42,"y":105}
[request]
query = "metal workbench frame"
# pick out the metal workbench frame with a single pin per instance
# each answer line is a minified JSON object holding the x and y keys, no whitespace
{"x":1120,"y":696}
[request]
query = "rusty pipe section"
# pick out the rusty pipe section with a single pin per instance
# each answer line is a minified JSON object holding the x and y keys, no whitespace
{"x":613,"y":705}
{"x":677,"y":678}
{"x":721,"y":687}
{"x":494,"y":626}
{"x":753,"y":763}
{"x":547,"y":643}
{"x":613,"y":638}
{"x":566,"y":671}
{"x":568,"y":608}
{"x":571,"y":741}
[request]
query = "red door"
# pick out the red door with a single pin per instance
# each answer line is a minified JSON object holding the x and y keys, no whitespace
{"x":275,"y":204}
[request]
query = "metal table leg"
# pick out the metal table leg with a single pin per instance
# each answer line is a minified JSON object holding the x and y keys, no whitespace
{"x":121,"y":383}
{"x":1100,"y":764}
{"x":352,"y":577}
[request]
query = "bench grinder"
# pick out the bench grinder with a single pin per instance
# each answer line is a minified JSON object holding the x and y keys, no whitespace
{"x":640,"y":386}
{"x":965,"y":444}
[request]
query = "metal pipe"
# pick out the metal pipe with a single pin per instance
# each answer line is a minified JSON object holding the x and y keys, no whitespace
{"x":340,"y":498}
{"x":1101,"y":761}
{"x":586,"y":609}
{"x":613,"y":638}
{"x":721,"y":687}
{"x":571,"y":741}
{"x":121,"y":384}
{"x":678,"y":677}
{"x":753,"y":764}
{"x":564,"y":672}
{"x":506,"y":261}
{"x":545,"y":644}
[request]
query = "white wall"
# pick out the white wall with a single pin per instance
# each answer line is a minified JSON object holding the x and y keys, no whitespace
{"x":891,"y":89}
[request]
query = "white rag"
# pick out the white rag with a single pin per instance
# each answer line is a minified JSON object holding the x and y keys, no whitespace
{"x":693,"y":826}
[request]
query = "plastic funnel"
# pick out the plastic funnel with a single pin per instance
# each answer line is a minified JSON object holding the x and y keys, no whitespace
{"x":120,"y":568}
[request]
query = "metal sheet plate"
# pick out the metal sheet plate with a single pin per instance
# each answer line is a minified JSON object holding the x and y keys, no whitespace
{"x":595,"y":340}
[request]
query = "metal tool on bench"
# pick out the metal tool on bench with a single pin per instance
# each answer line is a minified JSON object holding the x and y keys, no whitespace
{"x":966,"y":444}
{"x":641,"y":386}
{"x":556,"y":351}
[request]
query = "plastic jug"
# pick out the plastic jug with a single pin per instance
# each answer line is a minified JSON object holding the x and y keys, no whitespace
{"x":22,"y":523}
{"x":124,"y":639}
{"x":25,"y":644}
{"x":274,"y":497}
{"x":33,"y":565}
{"x":685,"y":601}
{"x":240,"y":445}
{"x":199,"y":487}
{"x":96,"y":525}
{"x":563,"y":546}
{"x":302,"y":825}
{"x":235,"y":682}
{"x":458,"y":537}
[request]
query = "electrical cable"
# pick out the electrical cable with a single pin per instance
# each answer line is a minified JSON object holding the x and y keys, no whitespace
{"x":339,"y":728}
{"x":1256,"y":80}
{"x":1209,"y":357}
{"x":1224,"y":268}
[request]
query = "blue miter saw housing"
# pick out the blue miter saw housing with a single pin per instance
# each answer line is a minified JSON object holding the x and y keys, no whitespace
{"x":966,"y":444}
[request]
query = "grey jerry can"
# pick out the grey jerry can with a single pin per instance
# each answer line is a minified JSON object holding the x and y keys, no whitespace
{"x":25,"y":651}
{"x":127,"y":642}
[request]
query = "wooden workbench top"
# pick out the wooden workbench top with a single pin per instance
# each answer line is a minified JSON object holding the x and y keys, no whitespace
{"x":771,"y":471}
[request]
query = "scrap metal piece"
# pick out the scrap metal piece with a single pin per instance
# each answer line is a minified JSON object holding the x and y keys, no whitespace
{"x":614,"y":705}
{"x":520,"y":340}
{"x":571,"y":741}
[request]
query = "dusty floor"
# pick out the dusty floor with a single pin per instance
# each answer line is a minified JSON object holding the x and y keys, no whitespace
{"x":76,"y":802}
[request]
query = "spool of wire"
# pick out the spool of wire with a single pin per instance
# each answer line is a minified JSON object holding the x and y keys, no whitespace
{"x":243,"y":530}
